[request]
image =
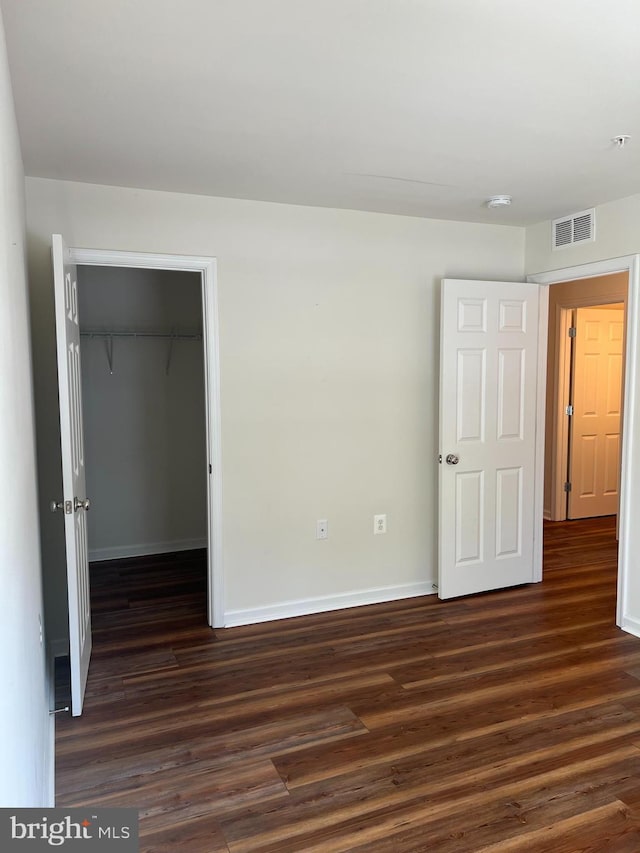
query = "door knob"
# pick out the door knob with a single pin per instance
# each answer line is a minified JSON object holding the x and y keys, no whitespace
{"x":54,"y":506}
{"x":78,"y":504}
{"x":452,"y":459}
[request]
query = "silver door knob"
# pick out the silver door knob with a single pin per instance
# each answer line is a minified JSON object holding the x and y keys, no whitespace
{"x":78,"y":504}
{"x":452,"y":459}
{"x":54,"y":506}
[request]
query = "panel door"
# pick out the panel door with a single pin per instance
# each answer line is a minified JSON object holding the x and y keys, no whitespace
{"x":74,"y":504}
{"x":488,"y":373}
{"x":594,"y":445}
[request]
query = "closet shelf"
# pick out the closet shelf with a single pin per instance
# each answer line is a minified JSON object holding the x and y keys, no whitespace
{"x":109,"y":335}
{"x":141,"y":333}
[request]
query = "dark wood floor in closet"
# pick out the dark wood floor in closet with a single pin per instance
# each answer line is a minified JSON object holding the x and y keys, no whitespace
{"x":501,"y":722}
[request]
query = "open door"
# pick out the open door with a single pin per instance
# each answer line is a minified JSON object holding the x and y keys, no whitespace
{"x":488,"y":374}
{"x":594,"y":451}
{"x":74,"y":503}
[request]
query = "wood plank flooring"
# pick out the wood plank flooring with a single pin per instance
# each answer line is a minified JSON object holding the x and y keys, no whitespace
{"x":508,"y":721}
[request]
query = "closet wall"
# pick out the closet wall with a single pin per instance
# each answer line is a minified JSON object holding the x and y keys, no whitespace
{"x":144,"y":425}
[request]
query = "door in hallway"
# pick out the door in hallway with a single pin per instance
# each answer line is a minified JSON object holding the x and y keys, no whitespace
{"x":594,"y":444}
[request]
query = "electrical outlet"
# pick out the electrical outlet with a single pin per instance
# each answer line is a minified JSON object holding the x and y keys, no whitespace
{"x":322,"y":528}
{"x":379,"y":524}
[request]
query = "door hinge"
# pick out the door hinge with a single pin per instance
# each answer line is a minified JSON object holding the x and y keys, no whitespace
{"x":572,"y":332}
{"x":210,"y":469}
{"x":568,"y":410}
{"x":567,"y":487}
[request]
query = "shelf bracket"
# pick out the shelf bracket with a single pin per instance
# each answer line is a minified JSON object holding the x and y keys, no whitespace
{"x":108,"y":343}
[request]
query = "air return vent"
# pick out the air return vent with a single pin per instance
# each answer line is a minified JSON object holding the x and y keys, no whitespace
{"x":577,"y":228}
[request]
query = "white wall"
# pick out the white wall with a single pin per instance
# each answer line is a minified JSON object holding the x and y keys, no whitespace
{"x":144,"y":428}
{"x":329,"y":373}
{"x":26,"y":754}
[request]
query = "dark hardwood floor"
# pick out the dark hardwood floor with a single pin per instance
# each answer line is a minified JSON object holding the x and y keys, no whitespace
{"x":508,"y":721}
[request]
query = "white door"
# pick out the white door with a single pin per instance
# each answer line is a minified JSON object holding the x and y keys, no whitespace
{"x":488,"y":373}
{"x":74,"y":504}
{"x":594,"y":447}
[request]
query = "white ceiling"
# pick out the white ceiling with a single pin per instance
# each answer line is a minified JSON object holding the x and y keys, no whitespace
{"x":420,"y":107}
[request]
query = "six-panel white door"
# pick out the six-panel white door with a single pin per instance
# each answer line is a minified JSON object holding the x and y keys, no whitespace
{"x":488,"y":371}
{"x":74,"y":503}
{"x":594,"y":447}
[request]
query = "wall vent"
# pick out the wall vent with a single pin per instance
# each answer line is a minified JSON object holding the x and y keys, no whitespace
{"x":576,"y":228}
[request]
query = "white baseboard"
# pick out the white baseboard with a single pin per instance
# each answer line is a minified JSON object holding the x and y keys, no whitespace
{"x":631,"y":626}
{"x":119,"y":552}
{"x":233,"y":618}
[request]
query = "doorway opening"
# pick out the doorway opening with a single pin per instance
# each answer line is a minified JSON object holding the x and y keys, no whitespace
{"x":204,"y":269}
{"x":585,"y":381}
{"x":143,"y":398}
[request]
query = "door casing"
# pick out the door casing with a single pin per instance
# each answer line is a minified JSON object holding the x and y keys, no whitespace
{"x":206,"y":266}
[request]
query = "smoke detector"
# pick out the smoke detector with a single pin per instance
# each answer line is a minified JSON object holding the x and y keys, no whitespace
{"x":499,"y":201}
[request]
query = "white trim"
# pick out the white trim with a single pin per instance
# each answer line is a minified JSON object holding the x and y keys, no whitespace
{"x":215,"y":601}
{"x":207,"y":268}
{"x":631,"y":626}
{"x":325,"y":603}
{"x":140,"y":260}
{"x":120,"y":552}
{"x":631,"y":415}
{"x":541,"y":390}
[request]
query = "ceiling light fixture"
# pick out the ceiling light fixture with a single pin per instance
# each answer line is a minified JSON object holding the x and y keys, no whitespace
{"x":499,"y":201}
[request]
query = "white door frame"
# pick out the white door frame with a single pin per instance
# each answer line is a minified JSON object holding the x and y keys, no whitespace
{"x":207,"y":269}
{"x":630,"y":463}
